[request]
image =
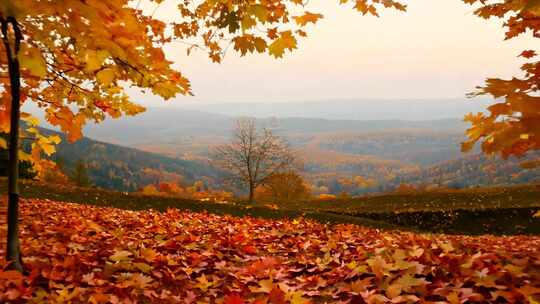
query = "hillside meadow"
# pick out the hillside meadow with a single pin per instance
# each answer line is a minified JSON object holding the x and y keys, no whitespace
{"x":498,"y":210}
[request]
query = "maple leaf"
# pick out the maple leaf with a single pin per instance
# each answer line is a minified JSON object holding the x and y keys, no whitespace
{"x":106,"y":76}
{"x":259,"y":11}
{"x":120,"y":255}
{"x":265,"y":286}
{"x":297,"y":297}
{"x":378,"y":266}
{"x":307,"y":18}
{"x":286,"y":40}
{"x":527,"y":54}
{"x":203,"y":283}
{"x":404,"y":283}
{"x":32,"y":60}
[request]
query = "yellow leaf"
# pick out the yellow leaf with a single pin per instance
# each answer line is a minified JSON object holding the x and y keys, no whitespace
{"x":265,"y":286}
{"x":30,"y":120}
{"x":297,"y":298}
{"x":106,"y":76}
{"x":203,"y":284}
{"x":143,"y":267}
{"x":55,"y":139}
{"x":285,"y":41}
{"x":24,"y":156}
{"x":446,"y":247}
{"x":453,"y":298}
{"x":248,"y":22}
{"x":31,"y":60}
{"x":148,"y":254}
{"x":121,"y":255}
{"x":10,"y":8}
{"x":260,"y":12}
{"x":94,"y":59}
{"x":3,"y":143}
{"x":306,"y":18}
{"x":48,"y":149}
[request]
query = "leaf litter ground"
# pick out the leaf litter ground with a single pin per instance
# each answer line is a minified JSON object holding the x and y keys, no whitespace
{"x":86,"y":254}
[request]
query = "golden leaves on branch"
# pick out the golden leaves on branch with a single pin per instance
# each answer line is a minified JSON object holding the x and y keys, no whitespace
{"x":77,"y":58}
{"x":249,"y":43}
{"x":31,"y":59}
{"x":511,"y":126}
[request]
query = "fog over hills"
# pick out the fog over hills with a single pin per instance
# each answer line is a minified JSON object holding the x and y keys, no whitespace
{"x":390,"y":142}
{"x":192,"y":119}
{"x":159,"y":125}
{"x":203,"y":120}
{"x":364,"y":109}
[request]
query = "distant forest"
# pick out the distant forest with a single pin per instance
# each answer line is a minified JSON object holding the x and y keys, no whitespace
{"x":354,"y":163}
{"x":338,"y":156}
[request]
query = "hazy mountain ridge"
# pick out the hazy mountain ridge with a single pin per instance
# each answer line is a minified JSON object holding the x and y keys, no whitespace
{"x":159,"y":125}
{"x":353,"y":109}
{"x":393,"y":151}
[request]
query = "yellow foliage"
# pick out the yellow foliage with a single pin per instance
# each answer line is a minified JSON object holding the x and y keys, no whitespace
{"x":326,"y":196}
{"x":282,"y":188}
{"x":149,"y":190}
{"x":49,"y":172}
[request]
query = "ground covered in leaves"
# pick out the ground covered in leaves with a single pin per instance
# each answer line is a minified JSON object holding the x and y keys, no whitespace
{"x":79,"y":253}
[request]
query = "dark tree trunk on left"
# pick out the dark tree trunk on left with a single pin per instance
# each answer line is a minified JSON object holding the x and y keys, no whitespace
{"x":13,"y":251}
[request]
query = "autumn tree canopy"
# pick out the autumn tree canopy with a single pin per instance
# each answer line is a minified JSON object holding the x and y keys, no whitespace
{"x":283,"y":187}
{"x":512,"y":126}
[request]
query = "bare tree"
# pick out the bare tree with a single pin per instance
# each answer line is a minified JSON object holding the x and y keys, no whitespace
{"x":253,"y":155}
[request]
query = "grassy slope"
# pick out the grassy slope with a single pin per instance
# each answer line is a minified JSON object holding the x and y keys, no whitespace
{"x":499,"y":210}
{"x":100,"y":197}
{"x":523,"y":196}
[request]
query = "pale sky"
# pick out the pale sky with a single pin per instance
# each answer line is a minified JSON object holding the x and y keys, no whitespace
{"x":437,"y":49}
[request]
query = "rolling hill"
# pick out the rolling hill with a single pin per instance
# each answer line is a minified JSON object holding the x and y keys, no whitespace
{"x":122,"y":168}
{"x":390,"y":152}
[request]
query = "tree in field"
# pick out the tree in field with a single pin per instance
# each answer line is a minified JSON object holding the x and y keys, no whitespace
{"x":75,"y":58}
{"x":283,"y":187}
{"x":254,"y":155}
{"x":80,"y":175}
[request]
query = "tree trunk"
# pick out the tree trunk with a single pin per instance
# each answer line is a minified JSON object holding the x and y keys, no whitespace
{"x":251,"y":192}
{"x":13,"y":252}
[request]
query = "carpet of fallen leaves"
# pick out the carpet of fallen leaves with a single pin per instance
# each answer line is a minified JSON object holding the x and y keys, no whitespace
{"x":84,"y":254}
